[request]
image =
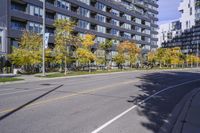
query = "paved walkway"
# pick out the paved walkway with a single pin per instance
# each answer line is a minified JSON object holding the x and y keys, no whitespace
{"x":29,"y":78}
{"x":189,"y":119}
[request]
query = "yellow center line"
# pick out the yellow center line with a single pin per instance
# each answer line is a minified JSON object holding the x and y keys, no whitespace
{"x":68,"y":96}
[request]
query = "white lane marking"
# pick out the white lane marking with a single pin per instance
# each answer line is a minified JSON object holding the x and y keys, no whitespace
{"x":134,"y":106}
{"x":32,"y":89}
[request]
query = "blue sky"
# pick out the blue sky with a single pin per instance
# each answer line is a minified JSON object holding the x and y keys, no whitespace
{"x":168,"y":10}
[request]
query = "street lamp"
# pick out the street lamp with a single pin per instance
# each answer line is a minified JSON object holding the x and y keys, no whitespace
{"x":187,"y":56}
{"x":43,"y":47}
{"x":197,"y":55}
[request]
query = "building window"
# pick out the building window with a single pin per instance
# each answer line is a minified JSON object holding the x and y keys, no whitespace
{"x":138,"y":29}
{"x":85,"y":1}
{"x":101,"y":29}
{"x":138,"y":38}
{"x":18,"y":7}
{"x":127,"y":17}
{"x":35,"y":11}
{"x":115,"y":22}
{"x":17,"y":25}
{"x":126,"y":26}
{"x":147,"y":23}
{"x":127,"y":35}
{"x":137,"y":20}
{"x":14,"y":43}
{"x":100,"y":6}
{"x":84,"y":12}
{"x":115,"y":12}
{"x":100,"y":39}
{"x":147,"y":32}
{"x":101,"y":18}
{"x":61,"y":16}
{"x":83,"y":24}
{"x":114,"y":32}
{"x":63,"y":4}
{"x":35,"y":27}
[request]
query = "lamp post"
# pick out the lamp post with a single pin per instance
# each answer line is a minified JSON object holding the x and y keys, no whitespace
{"x":187,"y":56}
{"x":197,"y":55}
{"x":43,"y":46}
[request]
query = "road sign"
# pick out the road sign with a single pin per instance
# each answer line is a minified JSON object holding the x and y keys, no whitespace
{"x":46,"y":39}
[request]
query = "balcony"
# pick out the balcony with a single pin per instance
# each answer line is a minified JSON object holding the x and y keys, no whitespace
{"x":18,"y":7}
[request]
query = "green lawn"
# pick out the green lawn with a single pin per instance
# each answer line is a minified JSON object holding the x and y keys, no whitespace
{"x":72,"y":73}
{"x":9,"y":79}
{"x":53,"y":75}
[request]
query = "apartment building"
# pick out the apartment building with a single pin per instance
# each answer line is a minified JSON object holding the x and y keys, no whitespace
{"x":188,"y":15}
{"x":134,"y":20}
{"x":188,"y":40}
{"x":168,"y":31}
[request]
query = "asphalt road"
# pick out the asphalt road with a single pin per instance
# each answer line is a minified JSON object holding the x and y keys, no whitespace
{"x":131,"y":102}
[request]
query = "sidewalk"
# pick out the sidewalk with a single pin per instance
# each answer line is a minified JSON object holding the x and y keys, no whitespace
{"x":189,"y":119}
{"x":33,"y":78}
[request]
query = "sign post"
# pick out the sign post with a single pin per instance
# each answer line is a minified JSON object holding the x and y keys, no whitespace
{"x":43,"y":47}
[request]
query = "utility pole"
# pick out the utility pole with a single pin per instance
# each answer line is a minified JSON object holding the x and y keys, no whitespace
{"x":197,"y":55}
{"x":187,"y":56}
{"x":43,"y":47}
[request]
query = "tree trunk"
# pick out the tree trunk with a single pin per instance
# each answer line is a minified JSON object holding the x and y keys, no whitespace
{"x":60,"y":69}
{"x":160,"y":65}
{"x":89,"y":67}
{"x":65,"y":65}
{"x":106,"y":59}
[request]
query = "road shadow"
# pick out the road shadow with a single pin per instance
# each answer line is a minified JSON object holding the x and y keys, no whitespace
{"x":157,"y":109}
{"x":28,"y":103}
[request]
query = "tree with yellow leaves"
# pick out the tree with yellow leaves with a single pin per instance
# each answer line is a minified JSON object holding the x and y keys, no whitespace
{"x":175,"y":57}
{"x":119,"y":60}
{"x":160,"y":54}
{"x":191,"y":59}
{"x":85,"y":56}
{"x":84,"y":53}
{"x":196,"y":60}
{"x":63,"y":40}
{"x":88,"y":41}
{"x":130,"y":49}
{"x":151,"y":57}
{"x":28,"y":55}
{"x":106,"y":46}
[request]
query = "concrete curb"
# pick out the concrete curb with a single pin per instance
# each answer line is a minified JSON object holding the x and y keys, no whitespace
{"x":175,"y":119}
{"x":179,"y":125}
